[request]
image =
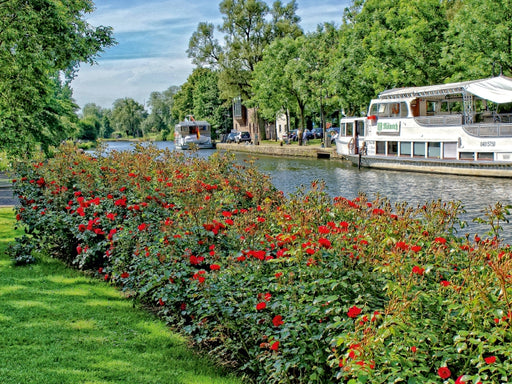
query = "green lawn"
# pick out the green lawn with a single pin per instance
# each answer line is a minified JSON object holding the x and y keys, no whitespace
{"x":59,"y":326}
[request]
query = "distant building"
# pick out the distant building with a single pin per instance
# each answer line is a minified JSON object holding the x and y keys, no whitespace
{"x":246,"y":120}
{"x":281,"y":126}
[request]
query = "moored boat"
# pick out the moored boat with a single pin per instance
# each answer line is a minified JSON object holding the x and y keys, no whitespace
{"x":459,"y":128}
{"x":190,"y":134}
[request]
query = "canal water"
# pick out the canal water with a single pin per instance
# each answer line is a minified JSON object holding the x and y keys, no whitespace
{"x":343,"y":179}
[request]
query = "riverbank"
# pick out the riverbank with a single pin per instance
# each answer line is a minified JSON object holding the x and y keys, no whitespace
{"x":291,"y":150}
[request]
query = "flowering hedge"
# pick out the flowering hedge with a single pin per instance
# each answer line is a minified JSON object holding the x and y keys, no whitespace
{"x":288,"y":290}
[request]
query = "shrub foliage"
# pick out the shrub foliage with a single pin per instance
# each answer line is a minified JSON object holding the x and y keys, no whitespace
{"x":286,"y":289}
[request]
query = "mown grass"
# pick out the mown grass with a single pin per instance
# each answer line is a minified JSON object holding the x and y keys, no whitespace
{"x":60,"y":326}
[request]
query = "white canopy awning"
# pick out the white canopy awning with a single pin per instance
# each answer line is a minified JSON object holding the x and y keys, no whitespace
{"x":496,"y":89}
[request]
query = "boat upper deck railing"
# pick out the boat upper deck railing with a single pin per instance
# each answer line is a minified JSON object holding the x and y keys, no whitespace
{"x":439,"y":120}
{"x":489,"y":130}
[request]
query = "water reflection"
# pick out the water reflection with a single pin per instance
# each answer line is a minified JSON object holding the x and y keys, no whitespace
{"x":343,"y":179}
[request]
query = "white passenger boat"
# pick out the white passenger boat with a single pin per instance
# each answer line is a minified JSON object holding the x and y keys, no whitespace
{"x":459,"y":128}
{"x":190,"y":134}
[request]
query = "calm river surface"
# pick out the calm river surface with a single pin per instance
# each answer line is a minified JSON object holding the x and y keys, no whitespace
{"x":343,"y":179}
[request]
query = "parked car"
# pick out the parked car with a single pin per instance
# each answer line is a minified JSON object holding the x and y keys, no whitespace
{"x":318,"y":133}
{"x":309,"y":135}
{"x":243,"y":137}
{"x":232,"y":136}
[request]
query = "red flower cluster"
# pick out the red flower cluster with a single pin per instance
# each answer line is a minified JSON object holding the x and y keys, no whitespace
{"x":353,"y":311}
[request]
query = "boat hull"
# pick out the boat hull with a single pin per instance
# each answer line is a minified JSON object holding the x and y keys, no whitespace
{"x":187,"y":146}
{"x":452,"y":167}
{"x":191,"y":142}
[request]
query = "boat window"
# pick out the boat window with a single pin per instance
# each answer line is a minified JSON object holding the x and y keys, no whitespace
{"x":456,"y":106}
{"x":405,"y":149}
{"x":444,"y":107}
{"x":403,"y":109}
{"x":419,"y":149}
{"x":360,"y":127}
{"x":380,"y":147}
{"x":389,"y":109}
{"x":380,"y":109}
{"x":393,"y":148}
{"x":485,"y":156}
{"x":466,"y":156}
{"x":431,"y":107}
{"x":349,"y":129}
{"x":450,"y":150}
{"x":434,"y":150}
{"x":342,"y":130}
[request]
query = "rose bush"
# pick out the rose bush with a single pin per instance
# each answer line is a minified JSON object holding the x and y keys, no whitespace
{"x":288,"y":290}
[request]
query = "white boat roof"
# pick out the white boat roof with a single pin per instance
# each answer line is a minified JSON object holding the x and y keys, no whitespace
{"x":497,"y":89}
{"x":193,"y":123}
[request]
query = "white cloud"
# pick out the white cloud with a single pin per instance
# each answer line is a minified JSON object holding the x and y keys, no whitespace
{"x":154,"y":15}
{"x":115,"y":79}
{"x":153,"y":38}
{"x":314,"y":14}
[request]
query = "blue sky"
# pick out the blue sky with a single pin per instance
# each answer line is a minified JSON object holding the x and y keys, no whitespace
{"x":152,"y":40}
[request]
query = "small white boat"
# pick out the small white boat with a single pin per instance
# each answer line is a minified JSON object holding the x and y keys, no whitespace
{"x":455,"y":128}
{"x":190,"y":134}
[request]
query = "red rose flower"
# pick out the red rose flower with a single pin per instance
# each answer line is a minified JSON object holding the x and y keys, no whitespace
{"x":490,"y":359}
{"x":324,"y":242}
{"x":275,"y":346}
{"x":277,"y":320}
{"x":214,"y":267}
{"x":444,"y":372}
{"x":440,"y":240}
{"x":353,"y":311}
{"x":261,"y":306}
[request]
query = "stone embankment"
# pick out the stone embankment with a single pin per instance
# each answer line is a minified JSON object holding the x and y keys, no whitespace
{"x":311,"y":151}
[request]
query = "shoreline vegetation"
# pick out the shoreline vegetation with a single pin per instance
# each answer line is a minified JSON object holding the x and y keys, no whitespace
{"x":286,"y":289}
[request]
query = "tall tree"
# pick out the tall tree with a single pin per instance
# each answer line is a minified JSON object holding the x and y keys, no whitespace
{"x":321,"y":46}
{"x":91,"y":123}
{"x":283,"y":77}
{"x":387,"y":44}
{"x":161,"y":105}
{"x":128,"y":116}
{"x":39,"y":41}
{"x":479,"y":39}
{"x":248,"y":27}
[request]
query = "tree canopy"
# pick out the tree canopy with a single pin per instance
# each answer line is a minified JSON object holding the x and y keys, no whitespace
{"x":248,"y":27}
{"x":41,"y":45}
